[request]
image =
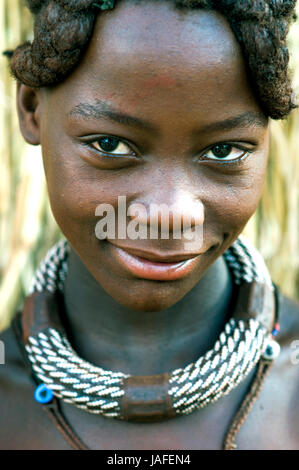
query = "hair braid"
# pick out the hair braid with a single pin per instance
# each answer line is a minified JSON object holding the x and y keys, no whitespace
{"x":63,"y":28}
{"x":261,"y":29}
{"x":60,"y":36}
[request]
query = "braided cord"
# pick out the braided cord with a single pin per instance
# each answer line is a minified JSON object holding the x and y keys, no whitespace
{"x":220,"y":370}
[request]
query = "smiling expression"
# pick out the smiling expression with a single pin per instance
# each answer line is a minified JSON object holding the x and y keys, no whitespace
{"x":159,"y":109}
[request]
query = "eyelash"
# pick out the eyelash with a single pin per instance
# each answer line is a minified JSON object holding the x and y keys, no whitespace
{"x":236,"y":161}
{"x":110,"y":155}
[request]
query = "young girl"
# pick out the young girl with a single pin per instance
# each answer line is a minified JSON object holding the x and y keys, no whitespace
{"x":149,"y":342}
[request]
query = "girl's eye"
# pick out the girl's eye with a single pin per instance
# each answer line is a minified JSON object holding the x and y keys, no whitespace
{"x":112,"y":145}
{"x":224,"y":152}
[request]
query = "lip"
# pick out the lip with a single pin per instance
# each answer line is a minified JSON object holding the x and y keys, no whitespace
{"x":155,"y":267}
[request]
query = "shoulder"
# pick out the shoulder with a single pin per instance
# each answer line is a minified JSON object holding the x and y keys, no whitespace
{"x":275,"y":416}
{"x":15,"y":390}
{"x":23,"y":422}
{"x":288,"y":336}
{"x":13,"y":363}
{"x":288,"y":339}
{"x":287,"y":364}
{"x":289,"y":318}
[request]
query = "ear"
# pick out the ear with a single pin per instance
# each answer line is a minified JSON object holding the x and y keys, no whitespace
{"x":29,"y":107}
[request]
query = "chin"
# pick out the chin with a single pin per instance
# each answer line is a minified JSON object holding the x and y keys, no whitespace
{"x":149,"y":304}
{"x":149,"y":296}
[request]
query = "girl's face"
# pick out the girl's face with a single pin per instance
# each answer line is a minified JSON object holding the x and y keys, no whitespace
{"x":171,"y":88}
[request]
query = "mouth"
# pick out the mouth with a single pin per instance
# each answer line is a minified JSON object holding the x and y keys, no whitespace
{"x":155,"y":267}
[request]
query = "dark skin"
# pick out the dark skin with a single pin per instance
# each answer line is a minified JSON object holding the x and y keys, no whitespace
{"x":182,"y":77}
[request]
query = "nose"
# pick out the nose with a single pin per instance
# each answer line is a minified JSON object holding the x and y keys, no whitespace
{"x":178,"y":211}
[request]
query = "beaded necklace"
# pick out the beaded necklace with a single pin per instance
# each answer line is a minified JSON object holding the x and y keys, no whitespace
{"x":246,"y":341}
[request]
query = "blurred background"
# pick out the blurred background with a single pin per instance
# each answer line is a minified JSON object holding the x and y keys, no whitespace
{"x":27,"y":227}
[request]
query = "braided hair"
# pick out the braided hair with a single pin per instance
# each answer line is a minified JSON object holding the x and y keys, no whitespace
{"x":63,"y":29}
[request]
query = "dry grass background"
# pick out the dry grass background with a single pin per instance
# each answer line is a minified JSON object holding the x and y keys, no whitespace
{"x":27,"y":227}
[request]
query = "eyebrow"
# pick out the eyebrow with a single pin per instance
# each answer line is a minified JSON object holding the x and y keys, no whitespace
{"x":245,"y":120}
{"x":102,"y":110}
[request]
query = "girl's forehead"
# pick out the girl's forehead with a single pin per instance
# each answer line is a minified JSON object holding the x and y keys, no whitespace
{"x":148,"y":54}
{"x":158,"y":29}
{"x":152,"y":24}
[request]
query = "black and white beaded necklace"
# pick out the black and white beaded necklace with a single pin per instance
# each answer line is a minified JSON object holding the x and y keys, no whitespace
{"x":74,"y":380}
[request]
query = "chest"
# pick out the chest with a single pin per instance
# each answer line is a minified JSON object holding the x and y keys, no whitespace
{"x":273,"y":422}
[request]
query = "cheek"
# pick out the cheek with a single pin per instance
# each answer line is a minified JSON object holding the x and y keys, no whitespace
{"x":238,"y":196}
{"x":75,"y":190}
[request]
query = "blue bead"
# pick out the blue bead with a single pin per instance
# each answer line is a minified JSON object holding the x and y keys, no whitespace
{"x":43,"y":394}
{"x":274,"y":332}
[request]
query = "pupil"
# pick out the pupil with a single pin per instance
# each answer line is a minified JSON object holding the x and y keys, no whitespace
{"x":109,"y":144}
{"x":222,"y":151}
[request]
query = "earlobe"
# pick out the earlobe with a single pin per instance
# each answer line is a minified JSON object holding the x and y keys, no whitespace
{"x":28,"y":106}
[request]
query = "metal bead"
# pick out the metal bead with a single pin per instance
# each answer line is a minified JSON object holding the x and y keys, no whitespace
{"x":272,"y":350}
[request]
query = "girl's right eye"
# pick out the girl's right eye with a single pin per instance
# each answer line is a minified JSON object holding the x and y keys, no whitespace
{"x":113,"y":146}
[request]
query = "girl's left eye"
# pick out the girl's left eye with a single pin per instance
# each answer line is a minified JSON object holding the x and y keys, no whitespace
{"x":112,"y":145}
{"x":224,"y":152}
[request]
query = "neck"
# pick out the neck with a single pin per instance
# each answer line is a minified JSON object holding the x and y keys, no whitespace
{"x":144,"y":343}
